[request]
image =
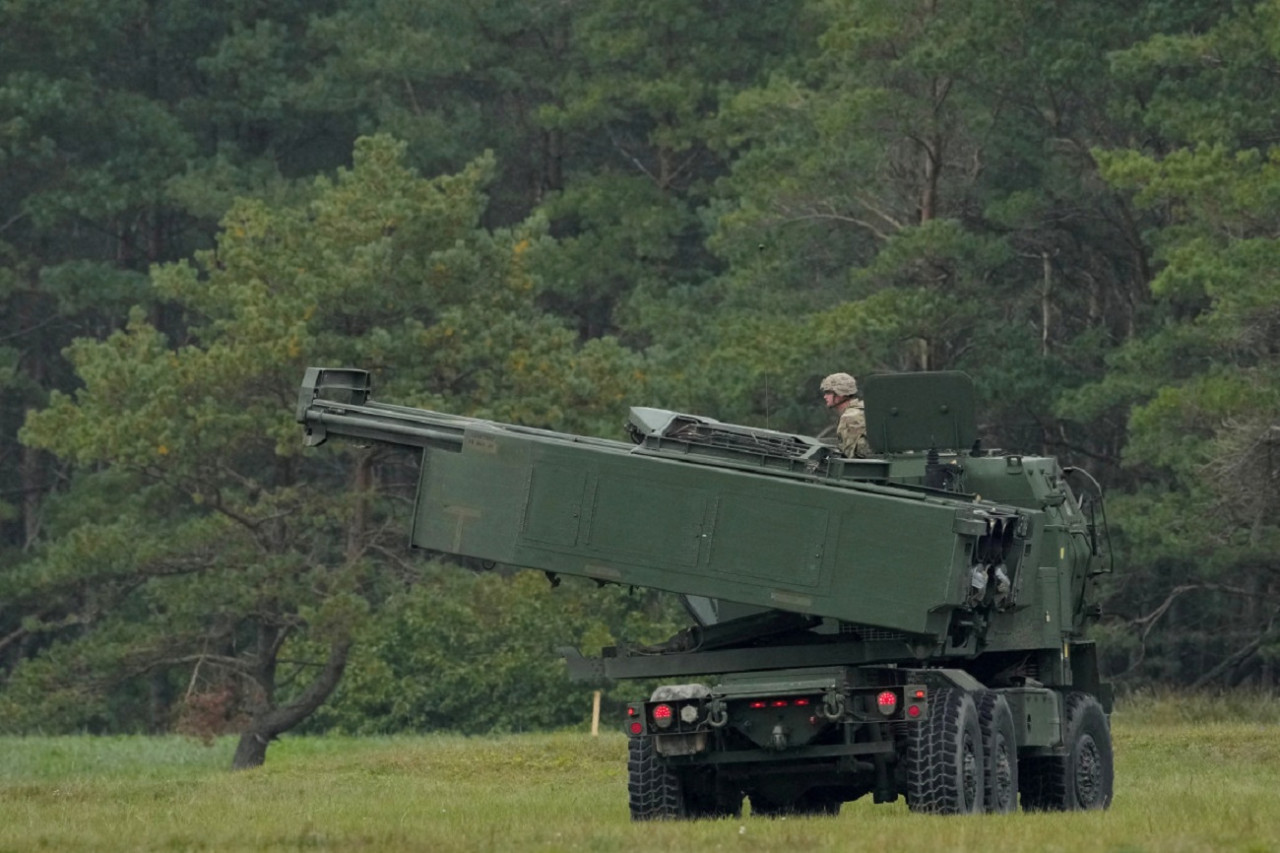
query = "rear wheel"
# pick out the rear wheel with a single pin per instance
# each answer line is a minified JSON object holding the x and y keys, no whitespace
{"x":944,"y":760}
{"x":653,"y":790}
{"x":657,"y":792}
{"x":1000,"y":751}
{"x":1084,"y":776}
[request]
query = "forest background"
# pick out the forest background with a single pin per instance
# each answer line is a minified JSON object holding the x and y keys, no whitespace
{"x":545,"y":211}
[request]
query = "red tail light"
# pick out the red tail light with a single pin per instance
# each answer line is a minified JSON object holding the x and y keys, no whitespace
{"x":887,"y":702}
{"x":663,"y":716}
{"x":758,"y":704}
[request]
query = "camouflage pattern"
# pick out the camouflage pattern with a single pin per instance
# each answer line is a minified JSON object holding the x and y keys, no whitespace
{"x":852,"y":431}
{"x":841,"y":383}
{"x":677,"y":692}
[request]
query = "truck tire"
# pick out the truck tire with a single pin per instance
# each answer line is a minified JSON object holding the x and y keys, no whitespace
{"x":653,"y":789}
{"x":656,"y":792}
{"x":1084,"y":776}
{"x":1000,"y":750}
{"x":944,"y":761}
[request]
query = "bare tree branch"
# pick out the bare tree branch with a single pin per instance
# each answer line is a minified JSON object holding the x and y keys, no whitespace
{"x":1236,"y":657}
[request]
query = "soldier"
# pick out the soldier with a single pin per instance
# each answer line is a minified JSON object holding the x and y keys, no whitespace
{"x":840,"y":392}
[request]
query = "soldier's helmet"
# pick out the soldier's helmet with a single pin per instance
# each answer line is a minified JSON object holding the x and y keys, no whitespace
{"x":840,"y":383}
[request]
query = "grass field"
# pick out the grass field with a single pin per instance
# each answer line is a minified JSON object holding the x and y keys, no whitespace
{"x":1191,"y":775}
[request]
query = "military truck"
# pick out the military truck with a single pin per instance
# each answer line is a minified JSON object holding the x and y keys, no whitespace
{"x":910,"y":625}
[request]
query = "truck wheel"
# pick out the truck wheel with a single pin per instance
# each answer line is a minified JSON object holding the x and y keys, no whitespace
{"x":653,"y":789}
{"x":944,"y":761}
{"x":1000,"y":749}
{"x":656,"y":792}
{"x":1082,"y":778}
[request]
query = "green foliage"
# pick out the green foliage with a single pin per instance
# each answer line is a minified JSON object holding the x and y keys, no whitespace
{"x":913,"y":191}
{"x":1203,"y":390}
{"x":703,"y":207}
{"x":125,"y":131}
{"x":646,"y":80}
{"x":479,"y":654}
{"x":223,"y":557}
{"x":1205,"y":81}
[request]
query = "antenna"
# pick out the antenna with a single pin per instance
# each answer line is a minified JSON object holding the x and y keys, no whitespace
{"x":768,"y":414}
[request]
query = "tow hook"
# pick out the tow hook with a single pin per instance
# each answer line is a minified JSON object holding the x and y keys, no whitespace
{"x":833,"y":706}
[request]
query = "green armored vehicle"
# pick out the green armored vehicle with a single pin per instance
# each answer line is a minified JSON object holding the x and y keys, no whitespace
{"x":910,"y":625}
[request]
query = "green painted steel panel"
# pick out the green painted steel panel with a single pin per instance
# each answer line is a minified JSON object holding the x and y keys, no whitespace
{"x":758,"y":540}
{"x":770,"y":539}
{"x":553,"y":510}
{"x":1037,"y":716}
{"x":473,"y":502}
{"x":637,"y":519}
{"x":898,"y":562}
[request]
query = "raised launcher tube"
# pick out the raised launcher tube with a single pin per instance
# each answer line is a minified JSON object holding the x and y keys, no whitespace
{"x":899,"y":566}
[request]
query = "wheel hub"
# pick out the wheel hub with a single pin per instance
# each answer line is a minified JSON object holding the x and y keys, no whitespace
{"x":971,"y":776}
{"x":1088,"y":775}
{"x":1004,"y":792}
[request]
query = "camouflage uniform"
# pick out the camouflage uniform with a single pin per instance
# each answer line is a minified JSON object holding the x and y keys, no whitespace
{"x":852,"y":431}
{"x":852,"y":428}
